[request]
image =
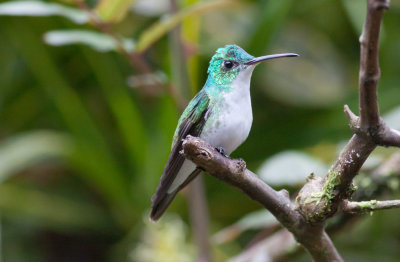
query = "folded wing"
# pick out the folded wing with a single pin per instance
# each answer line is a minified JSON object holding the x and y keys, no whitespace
{"x":191,"y":122}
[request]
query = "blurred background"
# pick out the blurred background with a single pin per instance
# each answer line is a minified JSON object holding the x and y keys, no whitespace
{"x":90,"y":95}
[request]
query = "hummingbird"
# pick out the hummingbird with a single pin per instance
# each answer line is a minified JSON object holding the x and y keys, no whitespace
{"x":220,"y":114}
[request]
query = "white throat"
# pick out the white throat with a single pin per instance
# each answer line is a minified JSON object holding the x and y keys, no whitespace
{"x":244,"y":77}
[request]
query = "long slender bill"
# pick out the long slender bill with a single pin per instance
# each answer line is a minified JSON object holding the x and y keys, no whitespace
{"x":267,"y":57}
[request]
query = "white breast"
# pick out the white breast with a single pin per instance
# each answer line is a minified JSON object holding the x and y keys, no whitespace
{"x":233,"y":116}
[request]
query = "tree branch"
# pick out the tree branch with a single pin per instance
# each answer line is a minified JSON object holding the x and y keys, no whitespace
{"x":234,"y":172}
{"x":391,"y":138}
{"x":320,"y":199}
{"x":378,"y":185}
{"x":368,"y":206}
{"x":369,"y":65}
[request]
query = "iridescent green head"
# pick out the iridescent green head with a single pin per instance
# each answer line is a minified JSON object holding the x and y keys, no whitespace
{"x":226,"y":64}
{"x":229,"y":61}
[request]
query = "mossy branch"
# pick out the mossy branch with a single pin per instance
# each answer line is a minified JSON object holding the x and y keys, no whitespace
{"x":368,"y":206}
{"x":369,"y":130}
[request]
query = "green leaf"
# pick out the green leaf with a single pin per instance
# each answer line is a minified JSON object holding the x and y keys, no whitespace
{"x":91,"y":145}
{"x":38,"y":8}
{"x":166,"y":23}
{"x":21,"y":151}
{"x":98,"y":41}
{"x":151,"y":7}
{"x":290,"y":168}
{"x":113,"y":10}
{"x":50,"y":210}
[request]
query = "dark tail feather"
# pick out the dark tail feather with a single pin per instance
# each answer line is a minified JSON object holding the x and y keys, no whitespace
{"x":161,"y":200}
{"x":160,"y":204}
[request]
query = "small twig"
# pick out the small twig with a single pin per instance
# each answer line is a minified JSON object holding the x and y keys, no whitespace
{"x":368,"y":206}
{"x":353,"y":118}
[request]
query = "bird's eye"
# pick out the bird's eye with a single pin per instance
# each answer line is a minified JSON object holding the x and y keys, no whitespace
{"x":228,"y":64}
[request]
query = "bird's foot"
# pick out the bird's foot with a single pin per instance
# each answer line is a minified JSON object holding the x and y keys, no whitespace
{"x":221,"y":150}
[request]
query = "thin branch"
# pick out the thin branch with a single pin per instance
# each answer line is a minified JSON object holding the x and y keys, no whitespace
{"x":369,"y":65}
{"x":384,"y":136}
{"x":319,"y":199}
{"x":391,"y":138}
{"x":368,"y":206}
{"x":234,"y":172}
{"x":354,"y":119}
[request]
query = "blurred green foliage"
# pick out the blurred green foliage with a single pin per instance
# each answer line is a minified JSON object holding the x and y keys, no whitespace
{"x":81,"y":151}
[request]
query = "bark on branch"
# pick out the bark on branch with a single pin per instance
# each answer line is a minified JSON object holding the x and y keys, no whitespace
{"x":235,"y":173}
{"x":276,"y":247}
{"x":369,"y":65}
{"x":368,"y":206}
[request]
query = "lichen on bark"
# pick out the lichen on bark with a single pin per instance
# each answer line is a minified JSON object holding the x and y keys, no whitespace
{"x":314,"y":200}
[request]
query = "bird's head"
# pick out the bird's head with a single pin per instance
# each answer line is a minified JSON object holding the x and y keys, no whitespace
{"x":231,"y":61}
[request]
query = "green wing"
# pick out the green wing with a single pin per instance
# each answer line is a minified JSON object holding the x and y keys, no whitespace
{"x":193,"y":118}
{"x":191,"y":122}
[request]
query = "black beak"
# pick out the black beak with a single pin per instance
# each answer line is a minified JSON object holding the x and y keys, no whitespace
{"x":267,"y":57}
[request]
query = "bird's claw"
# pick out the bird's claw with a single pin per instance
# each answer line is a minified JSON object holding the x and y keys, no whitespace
{"x":221,"y":150}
